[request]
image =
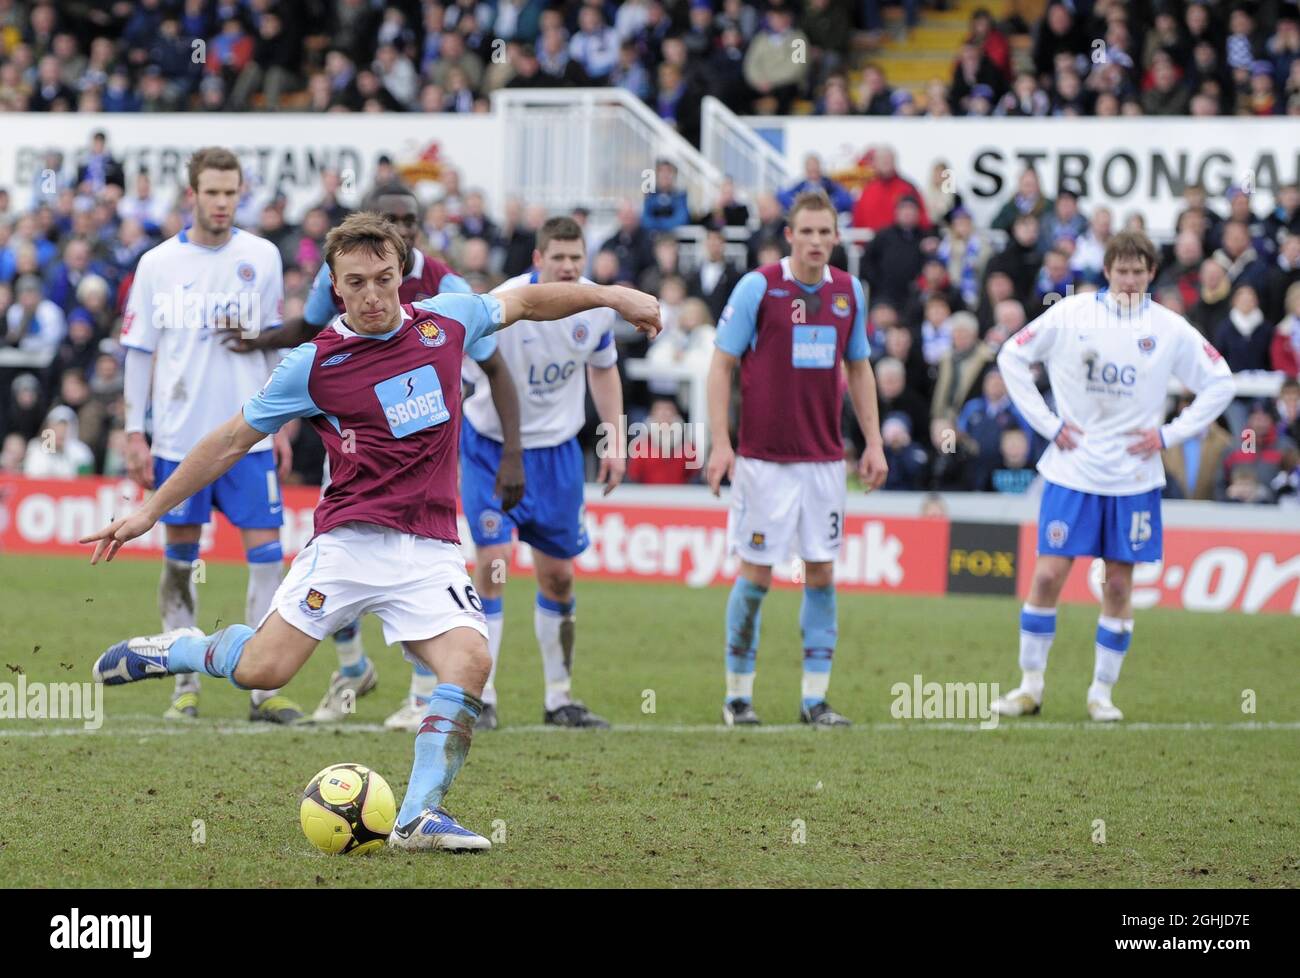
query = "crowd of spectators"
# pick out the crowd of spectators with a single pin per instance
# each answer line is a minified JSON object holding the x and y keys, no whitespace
{"x":945,"y":292}
{"x":1089,"y":57}
{"x":944,"y":295}
{"x":1101,"y":58}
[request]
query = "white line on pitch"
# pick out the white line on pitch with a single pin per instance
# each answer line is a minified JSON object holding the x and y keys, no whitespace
{"x":182,"y":728}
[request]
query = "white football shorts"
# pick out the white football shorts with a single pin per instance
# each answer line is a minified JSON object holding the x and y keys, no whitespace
{"x":417,"y":587}
{"x":784,"y":509}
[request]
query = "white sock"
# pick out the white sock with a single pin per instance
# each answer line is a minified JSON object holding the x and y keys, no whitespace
{"x":740,"y":685}
{"x":263,"y":582}
{"x":178,"y":603}
{"x":1113,"y":637}
{"x":496,"y":624}
{"x":553,"y":624}
{"x":1037,"y":630}
{"x":423,"y":682}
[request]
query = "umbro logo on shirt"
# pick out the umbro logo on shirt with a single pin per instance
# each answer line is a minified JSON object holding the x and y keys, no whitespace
{"x":337,"y":358}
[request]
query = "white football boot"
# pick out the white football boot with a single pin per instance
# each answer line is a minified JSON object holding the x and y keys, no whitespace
{"x":340,"y":699}
{"x":409,"y":717}
{"x":1020,"y":702}
{"x":1101,"y":709}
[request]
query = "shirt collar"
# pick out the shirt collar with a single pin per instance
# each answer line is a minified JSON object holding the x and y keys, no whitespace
{"x":1107,"y":298}
{"x":341,"y":327}
{"x":788,"y":275}
{"x":184,"y":237}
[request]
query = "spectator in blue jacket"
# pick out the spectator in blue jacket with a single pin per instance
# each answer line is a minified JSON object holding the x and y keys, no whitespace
{"x":814,"y":179}
{"x":65,"y":276}
{"x":665,"y":205}
{"x":907,"y":460}
{"x":982,"y":421}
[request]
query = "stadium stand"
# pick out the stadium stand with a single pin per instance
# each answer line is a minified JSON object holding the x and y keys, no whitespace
{"x":70,"y":239}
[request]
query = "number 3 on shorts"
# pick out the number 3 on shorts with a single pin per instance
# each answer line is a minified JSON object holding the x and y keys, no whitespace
{"x":470,"y":596}
{"x":835,"y":526}
{"x":1140,"y":530}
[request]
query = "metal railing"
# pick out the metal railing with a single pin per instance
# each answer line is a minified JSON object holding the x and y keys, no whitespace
{"x":731,"y":145}
{"x":594,"y":147}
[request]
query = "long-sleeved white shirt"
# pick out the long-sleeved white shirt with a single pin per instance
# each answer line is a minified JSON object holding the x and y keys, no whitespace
{"x":1109,"y":367}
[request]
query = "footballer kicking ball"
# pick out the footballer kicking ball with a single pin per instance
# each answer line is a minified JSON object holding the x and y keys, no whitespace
{"x":348,"y":809}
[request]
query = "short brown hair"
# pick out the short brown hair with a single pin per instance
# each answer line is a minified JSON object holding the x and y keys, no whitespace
{"x":811,"y":200}
{"x":367,"y":231}
{"x":558,"y":229}
{"x":211,"y":158}
{"x":1130,"y":244}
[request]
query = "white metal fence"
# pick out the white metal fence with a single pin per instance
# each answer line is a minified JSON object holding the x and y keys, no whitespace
{"x":565,"y":147}
{"x":735,"y":149}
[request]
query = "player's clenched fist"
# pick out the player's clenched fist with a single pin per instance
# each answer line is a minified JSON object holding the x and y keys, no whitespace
{"x":637,"y":308}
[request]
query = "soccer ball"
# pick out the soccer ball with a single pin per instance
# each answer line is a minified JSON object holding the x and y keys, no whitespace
{"x":347,"y":808}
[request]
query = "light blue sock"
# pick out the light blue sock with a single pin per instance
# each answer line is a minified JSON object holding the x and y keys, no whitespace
{"x":440,"y":749}
{"x":817,"y":625}
{"x":743,"y":620}
{"x":352,"y":655}
{"x":217,"y":654}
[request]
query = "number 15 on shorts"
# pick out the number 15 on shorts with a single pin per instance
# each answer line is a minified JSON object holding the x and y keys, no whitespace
{"x":1140,"y":528}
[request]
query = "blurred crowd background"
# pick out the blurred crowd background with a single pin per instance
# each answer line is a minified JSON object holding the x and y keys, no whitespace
{"x":944,"y":292}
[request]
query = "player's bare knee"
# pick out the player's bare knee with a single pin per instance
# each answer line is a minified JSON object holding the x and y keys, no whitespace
{"x":1115,"y":589}
{"x":819,"y":575}
{"x":182,"y":533}
{"x":479,"y":663}
{"x":556,"y":584}
{"x":467,"y":665}
{"x":757,"y":574}
{"x":1050,"y":578}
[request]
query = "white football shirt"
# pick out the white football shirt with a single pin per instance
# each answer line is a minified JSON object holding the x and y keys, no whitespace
{"x":1109,"y":366}
{"x":548,"y":363}
{"x":181,"y":295}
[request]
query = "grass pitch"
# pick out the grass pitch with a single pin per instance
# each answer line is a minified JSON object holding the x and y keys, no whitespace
{"x":1189,"y":791}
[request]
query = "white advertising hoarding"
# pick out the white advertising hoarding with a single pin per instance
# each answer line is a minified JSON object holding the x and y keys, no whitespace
{"x":1130,"y":164}
{"x":280,"y":151}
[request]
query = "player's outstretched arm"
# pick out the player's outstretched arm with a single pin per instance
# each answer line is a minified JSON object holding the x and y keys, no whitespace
{"x":557,"y":300}
{"x":206,"y":462}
